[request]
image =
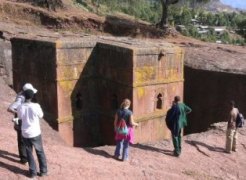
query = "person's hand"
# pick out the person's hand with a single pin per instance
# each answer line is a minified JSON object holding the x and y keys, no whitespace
{"x":15,"y":120}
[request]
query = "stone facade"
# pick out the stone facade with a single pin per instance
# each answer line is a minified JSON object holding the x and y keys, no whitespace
{"x":6,"y":61}
{"x":82,"y":82}
{"x":208,"y":93}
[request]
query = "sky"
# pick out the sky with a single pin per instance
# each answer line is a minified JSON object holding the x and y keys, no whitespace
{"x":235,"y":3}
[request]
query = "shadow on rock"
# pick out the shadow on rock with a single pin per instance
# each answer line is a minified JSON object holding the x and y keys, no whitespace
{"x":9,"y":156}
{"x":211,"y":148}
{"x":14,"y":169}
{"x":98,"y":152}
{"x":150,"y":148}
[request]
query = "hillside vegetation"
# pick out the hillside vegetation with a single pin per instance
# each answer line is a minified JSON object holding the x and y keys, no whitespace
{"x":203,"y":154}
{"x":179,"y":14}
{"x":126,"y":18}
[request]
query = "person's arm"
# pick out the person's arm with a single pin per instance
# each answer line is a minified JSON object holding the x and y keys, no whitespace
{"x":39,"y":111}
{"x":232,"y":119}
{"x":18,"y":112}
{"x":234,"y":116}
{"x":13,"y":107}
{"x":187,"y":109}
{"x":132,"y":122}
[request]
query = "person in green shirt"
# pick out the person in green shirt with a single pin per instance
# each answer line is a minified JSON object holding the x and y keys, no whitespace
{"x":182,"y":122}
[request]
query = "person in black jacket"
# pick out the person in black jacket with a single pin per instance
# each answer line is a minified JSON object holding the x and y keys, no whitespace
{"x":176,"y":120}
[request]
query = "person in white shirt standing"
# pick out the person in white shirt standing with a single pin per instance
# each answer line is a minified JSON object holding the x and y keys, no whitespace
{"x":17,"y":122}
{"x":231,"y":133}
{"x":31,"y":113}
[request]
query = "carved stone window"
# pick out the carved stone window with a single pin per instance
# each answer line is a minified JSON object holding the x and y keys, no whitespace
{"x":159,"y":101}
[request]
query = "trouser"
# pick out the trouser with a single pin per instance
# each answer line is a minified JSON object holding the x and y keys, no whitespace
{"x":35,"y":142}
{"x":21,"y":144}
{"x":177,"y":142}
{"x":125,"y":152}
{"x":21,"y":147}
{"x":231,"y":140}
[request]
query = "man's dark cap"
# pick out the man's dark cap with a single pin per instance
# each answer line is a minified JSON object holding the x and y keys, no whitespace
{"x":28,"y":94}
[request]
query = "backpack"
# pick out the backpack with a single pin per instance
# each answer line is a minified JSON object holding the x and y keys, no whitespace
{"x":168,"y":118}
{"x":121,"y":127}
{"x":172,"y":117}
{"x":239,"y":120}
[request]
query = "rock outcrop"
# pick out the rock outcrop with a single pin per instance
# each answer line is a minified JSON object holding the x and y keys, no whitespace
{"x":202,"y":156}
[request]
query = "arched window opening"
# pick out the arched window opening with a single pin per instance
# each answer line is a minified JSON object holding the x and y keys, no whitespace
{"x":160,"y":55}
{"x":159,"y":102}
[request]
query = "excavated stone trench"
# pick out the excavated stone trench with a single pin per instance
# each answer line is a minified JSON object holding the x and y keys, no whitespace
{"x":82,"y":82}
{"x":206,"y":91}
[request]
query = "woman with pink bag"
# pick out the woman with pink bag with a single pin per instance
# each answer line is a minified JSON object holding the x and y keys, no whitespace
{"x":124,"y":116}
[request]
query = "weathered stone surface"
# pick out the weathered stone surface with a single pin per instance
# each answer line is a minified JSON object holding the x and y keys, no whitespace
{"x":214,"y":57}
{"x":34,"y":62}
{"x":202,"y":155}
{"x":88,"y":77}
{"x":6,"y":61}
{"x":214,"y":75}
{"x":209,"y":93}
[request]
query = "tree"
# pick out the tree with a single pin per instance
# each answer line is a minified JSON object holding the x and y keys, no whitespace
{"x":164,"y":18}
{"x":165,"y":4}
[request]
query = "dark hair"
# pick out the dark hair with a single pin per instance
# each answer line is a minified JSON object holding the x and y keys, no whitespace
{"x":232,"y":103}
{"x":28,"y":94}
{"x":177,"y":98}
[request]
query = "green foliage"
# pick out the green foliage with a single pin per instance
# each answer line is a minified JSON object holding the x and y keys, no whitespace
{"x":84,"y":5}
{"x":179,"y":14}
{"x":232,"y":21}
{"x":142,"y":9}
{"x":242,"y":27}
{"x":193,"y":31}
{"x":225,"y":38}
{"x":148,"y":10}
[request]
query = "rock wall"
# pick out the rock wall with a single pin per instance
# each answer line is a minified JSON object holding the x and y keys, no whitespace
{"x":208,"y":94}
{"x":82,"y":82}
{"x":6,"y":61}
{"x":34,"y":62}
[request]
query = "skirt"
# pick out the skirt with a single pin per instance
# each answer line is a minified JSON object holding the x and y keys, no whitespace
{"x":128,"y":137}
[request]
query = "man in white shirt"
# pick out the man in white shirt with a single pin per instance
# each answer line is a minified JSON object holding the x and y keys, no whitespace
{"x":17,"y":122}
{"x":31,"y":113}
{"x":231,"y":133}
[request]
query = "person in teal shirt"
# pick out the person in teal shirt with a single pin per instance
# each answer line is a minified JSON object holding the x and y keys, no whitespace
{"x":182,"y":122}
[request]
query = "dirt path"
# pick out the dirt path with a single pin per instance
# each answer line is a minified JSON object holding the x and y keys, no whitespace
{"x":202,"y":157}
